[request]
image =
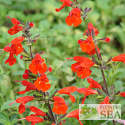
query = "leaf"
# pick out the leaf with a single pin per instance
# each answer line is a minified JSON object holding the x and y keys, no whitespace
{"x":3,"y":122}
{"x":70,"y":78}
{"x":5,"y":84}
{"x":4,"y":117}
{"x":55,"y":51}
{"x":21,"y":62}
{"x":103,"y":4}
{"x":119,"y":10}
{"x":6,"y":105}
{"x":14,"y":121}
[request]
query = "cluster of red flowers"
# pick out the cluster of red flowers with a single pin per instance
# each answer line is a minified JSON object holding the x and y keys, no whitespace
{"x":16,"y":46}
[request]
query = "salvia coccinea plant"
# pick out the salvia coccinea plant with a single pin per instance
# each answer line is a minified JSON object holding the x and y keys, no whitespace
{"x":57,"y":107}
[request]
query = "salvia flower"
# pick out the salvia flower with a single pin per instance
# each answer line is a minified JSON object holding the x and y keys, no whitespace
{"x":23,"y":101}
{"x":74,"y":114}
{"x":16,"y":28}
{"x":93,"y":83}
{"x":33,"y":119}
{"x":29,"y":86}
{"x":120,"y":58}
{"x":74,"y":17}
{"x":90,"y":27}
{"x":37,"y":111}
{"x":38,"y":65}
{"x":106,"y":101}
{"x":87,"y":91}
{"x":41,"y":81}
{"x":68,"y":91}
{"x":87,"y":45}
{"x":59,"y":105}
{"x":65,"y":3}
{"x":122,"y":94}
{"x":82,"y":66}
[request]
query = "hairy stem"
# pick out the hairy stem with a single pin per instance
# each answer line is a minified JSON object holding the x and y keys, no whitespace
{"x":51,"y":113}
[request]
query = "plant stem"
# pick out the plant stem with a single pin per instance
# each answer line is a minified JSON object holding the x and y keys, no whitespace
{"x":51,"y":113}
{"x":113,"y":122}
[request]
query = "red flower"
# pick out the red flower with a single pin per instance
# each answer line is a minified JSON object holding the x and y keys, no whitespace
{"x":65,"y":3}
{"x":16,"y":28}
{"x":68,"y":91}
{"x":106,"y":101}
{"x":40,"y":83}
{"x":93,"y":83}
{"x":16,"y":48}
{"x":122,"y":94}
{"x":31,"y":24}
{"x":59,"y":105}
{"x":84,"y":62}
{"x":38,"y":65}
{"x":74,"y":114}
{"x":37,"y":111}
{"x":93,"y":51}
{"x":34,"y":119}
{"x":23,"y":101}
{"x":29,"y":86}
{"x":11,"y":60}
{"x":120,"y":58}
{"x":87,"y":91}
{"x":26,"y":75}
{"x":82,"y":66}
{"x":90,"y":26}
{"x":74,"y":17}
{"x":17,"y":40}
{"x":87,"y":45}
{"x":107,"y":40}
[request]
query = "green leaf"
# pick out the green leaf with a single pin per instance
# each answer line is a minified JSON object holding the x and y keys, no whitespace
{"x":14,"y":121}
{"x":4,"y":117}
{"x":6,"y":105}
{"x":103,"y":4}
{"x":119,"y":10}
{"x":21,"y":62}
{"x":55,"y":51}
{"x":3,"y":122}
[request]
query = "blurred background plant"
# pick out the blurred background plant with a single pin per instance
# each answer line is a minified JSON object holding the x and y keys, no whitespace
{"x":59,"y":42}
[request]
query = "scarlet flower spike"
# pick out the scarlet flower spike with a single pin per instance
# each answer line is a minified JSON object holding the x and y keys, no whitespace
{"x":74,"y":114}
{"x":74,"y":17}
{"x":65,"y":3}
{"x":23,"y":101}
{"x":93,"y":83}
{"x":68,"y":91}
{"x":59,"y":105}
{"x":120,"y":58}
{"x":29,"y":86}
